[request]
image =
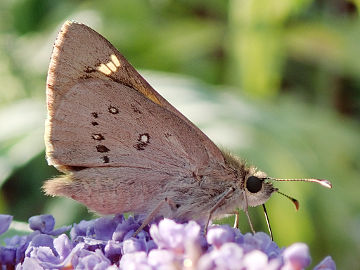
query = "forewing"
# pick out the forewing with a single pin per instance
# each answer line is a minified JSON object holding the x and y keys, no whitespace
{"x":81,"y":54}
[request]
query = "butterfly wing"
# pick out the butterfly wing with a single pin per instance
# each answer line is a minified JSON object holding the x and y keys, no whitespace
{"x":108,"y":129}
{"x":81,"y":53}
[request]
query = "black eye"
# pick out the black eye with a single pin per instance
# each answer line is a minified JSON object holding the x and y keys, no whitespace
{"x":253,"y":184}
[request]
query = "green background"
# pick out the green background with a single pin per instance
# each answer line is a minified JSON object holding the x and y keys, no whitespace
{"x":275,"y":82}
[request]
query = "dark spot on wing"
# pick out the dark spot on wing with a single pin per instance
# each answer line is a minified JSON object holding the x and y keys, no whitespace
{"x":102,"y":148}
{"x":89,"y":69}
{"x":140,"y":146}
{"x":115,"y":80}
{"x":143,"y":141}
{"x":85,"y":77}
{"x":95,"y":114}
{"x":94,"y":123}
{"x":106,"y":159}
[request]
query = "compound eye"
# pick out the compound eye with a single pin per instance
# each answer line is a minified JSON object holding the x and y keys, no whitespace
{"x":254,"y":184}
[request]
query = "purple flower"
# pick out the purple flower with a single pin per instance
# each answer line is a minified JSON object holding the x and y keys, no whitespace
{"x":5,"y":221}
{"x":107,"y":243}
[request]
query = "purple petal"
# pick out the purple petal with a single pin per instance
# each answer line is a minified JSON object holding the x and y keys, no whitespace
{"x":7,"y":255}
{"x":119,"y":218}
{"x":43,"y":240}
{"x":221,"y":258}
{"x":123,"y":229}
{"x":265,"y":244}
{"x":255,"y":260}
{"x":43,"y":255}
{"x":192,"y":230}
{"x":62,"y":262}
{"x":60,"y":230}
{"x":42,"y":223}
{"x":93,"y":261}
{"x":218,"y":235}
{"x":104,"y":228}
{"x":133,"y":245}
{"x":5,"y":221}
{"x":63,"y":246}
{"x":296,"y":256}
{"x":29,"y":263}
{"x":20,"y":244}
{"x":113,"y":251}
{"x":84,"y":228}
{"x":170,"y":235}
{"x":135,"y":261}
{"x":150,"y":245}
{"x":326,"y":264}
{"x":158,"y":257}
{"x":260,"y":241}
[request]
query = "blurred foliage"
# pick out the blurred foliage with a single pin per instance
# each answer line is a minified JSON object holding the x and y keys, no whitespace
{"x":291,"y":104}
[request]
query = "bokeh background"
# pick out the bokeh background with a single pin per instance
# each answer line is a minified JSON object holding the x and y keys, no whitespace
{"x":275,"y":82}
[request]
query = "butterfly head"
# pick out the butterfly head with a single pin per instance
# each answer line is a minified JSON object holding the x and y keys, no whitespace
{"x":258,"y":188}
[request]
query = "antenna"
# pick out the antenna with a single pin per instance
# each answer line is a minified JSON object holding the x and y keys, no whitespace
{"x":295,"y":201}
{"x":323,"y":182}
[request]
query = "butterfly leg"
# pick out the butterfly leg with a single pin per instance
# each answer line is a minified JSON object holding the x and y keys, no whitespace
{"x":236,"y":221}
{"x":218,"y":203}
{"x":247,"y":213}
{"x":153,"y":214}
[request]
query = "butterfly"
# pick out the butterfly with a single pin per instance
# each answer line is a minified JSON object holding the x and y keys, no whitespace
{"x":123,"y":148}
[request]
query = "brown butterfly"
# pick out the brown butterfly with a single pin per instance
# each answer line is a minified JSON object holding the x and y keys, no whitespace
{"x":123,"y":148}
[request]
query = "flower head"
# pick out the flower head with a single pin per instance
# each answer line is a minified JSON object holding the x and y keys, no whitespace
{"x":108,"y":243}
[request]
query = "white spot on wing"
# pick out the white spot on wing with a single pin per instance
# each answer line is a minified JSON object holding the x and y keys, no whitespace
{"x":115,"y":60}
{"x":144,"y":138}
{"x":112,"y":66}
{"x":104,"y":69}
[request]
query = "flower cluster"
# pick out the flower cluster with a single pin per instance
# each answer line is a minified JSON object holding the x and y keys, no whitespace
{"x":108,"y":243}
